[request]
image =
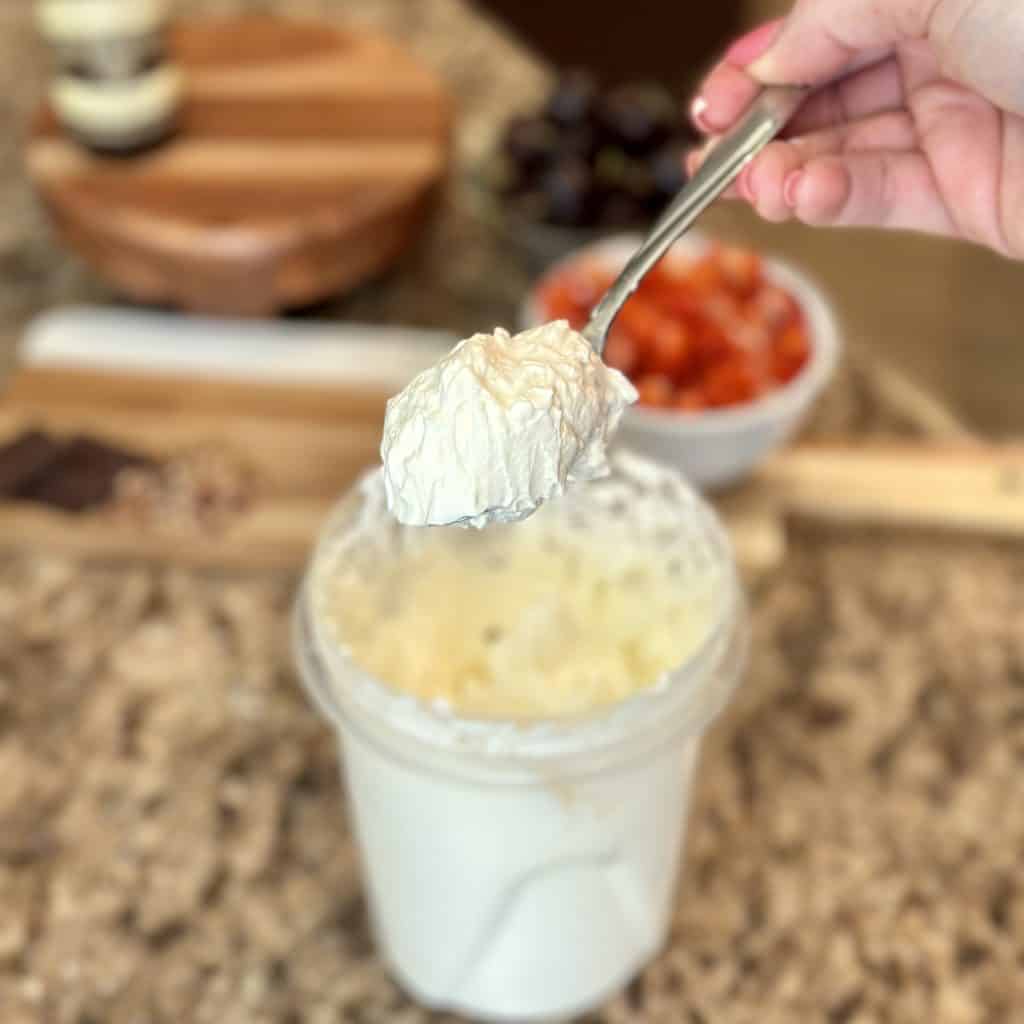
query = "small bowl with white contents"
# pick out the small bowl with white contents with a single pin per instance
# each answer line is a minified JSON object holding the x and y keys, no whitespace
{"x":728,"y":349}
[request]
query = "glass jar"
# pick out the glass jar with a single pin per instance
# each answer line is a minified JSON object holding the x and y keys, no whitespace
{"x":115,"y":88}
{"x":523,"y":870}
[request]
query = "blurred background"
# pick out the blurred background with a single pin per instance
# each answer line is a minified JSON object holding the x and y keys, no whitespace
{"x":946,"y":313}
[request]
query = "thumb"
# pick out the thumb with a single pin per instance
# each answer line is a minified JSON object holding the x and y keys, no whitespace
{"x":823,"y":39}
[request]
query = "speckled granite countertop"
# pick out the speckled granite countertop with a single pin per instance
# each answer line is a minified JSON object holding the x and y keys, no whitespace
{"x":171,"y":842}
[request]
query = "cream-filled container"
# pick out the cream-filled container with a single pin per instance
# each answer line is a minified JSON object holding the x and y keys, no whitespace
{"x":524,"y":869}
{"x":115,"y":87}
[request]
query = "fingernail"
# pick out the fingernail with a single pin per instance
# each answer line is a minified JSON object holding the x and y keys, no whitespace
{"x":790,"y":187}
{"x":698,"y":113}
{"x":751,"y":46}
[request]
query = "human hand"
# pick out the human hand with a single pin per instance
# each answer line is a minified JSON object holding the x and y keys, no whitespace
{"x":920,"y":125}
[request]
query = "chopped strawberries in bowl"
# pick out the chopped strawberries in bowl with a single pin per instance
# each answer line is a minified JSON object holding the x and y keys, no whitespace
{"x":728,"y":349}
{"x":715,"y":328}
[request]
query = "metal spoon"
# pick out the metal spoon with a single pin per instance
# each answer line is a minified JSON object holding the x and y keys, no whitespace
{"x":765,"y":119}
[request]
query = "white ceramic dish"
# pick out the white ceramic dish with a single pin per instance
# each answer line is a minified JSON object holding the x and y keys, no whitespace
{"x":718,"y":447}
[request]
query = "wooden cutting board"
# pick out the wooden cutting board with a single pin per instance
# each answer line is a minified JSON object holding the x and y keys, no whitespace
{"x":306,"y":163}
{"x":307,"y":445}
{"x":304,"y":403}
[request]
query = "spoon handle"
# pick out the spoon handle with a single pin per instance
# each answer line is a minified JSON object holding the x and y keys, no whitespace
{"x":764,"y":120}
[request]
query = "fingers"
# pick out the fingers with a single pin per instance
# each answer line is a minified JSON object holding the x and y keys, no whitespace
{"x":876,"y":88}
{"x":820,"y":41}
{"x":728,"y":90}
{"x":763,"y":183}
{"x":769,"y":182}
{"x":723,"y":97}
{"x":823,"y":39}
{"x":979,"y":42}
{"x":872,"y":83}
{"x":852,"y":156}
{"x":893,"y":131}
{"x":869,"y":189}
{"x":966,"y":140}
{"x":865,"y":174}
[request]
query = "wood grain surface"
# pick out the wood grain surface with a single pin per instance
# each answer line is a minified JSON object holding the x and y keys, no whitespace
{"x":308,"y":444}
{"x":305,"y":163}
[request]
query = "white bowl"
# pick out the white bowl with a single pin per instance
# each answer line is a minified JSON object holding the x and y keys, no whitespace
{"x":718,"y":447}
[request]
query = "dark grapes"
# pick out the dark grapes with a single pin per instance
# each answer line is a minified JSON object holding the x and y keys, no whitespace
{"x":638,"y":180}
{"x":582,"y":141}
{"x":611,"y":166}
{"x":530,"y":144}
{"x":572,"y":198}
{"x":532,"y":205}
{"x":668,"y":171}
{"x":574,"y":100}
{"x":639,"y":118}
{"x":589,"y":158}
{"x":622,"y":210}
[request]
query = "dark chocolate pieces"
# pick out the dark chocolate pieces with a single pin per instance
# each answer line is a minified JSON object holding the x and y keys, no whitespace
{"x":26,"y":460}
{"x":72,"y":475}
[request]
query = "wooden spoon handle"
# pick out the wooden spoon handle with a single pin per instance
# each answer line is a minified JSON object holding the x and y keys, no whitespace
{"x":970,"y":487}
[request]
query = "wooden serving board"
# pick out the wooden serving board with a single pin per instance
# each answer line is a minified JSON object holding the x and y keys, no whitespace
{"x":304,"y":445}
{"x":306,"y":162}
{"x":955,"y":486}
{"x":307,"y":444}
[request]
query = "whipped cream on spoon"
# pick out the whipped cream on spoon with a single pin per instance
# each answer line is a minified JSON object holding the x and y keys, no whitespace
{"x":500,"y":425}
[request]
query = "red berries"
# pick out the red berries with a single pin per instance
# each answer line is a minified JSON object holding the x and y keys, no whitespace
{"x":709,"y":334}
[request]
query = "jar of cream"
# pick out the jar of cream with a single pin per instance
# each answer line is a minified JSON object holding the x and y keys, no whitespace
{"x":115,"y":88}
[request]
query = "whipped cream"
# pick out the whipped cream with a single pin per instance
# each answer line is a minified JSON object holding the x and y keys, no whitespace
{"x":499,"y":426}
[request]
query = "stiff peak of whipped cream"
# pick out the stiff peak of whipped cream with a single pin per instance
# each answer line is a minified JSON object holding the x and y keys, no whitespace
{"x":499,"y":426}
